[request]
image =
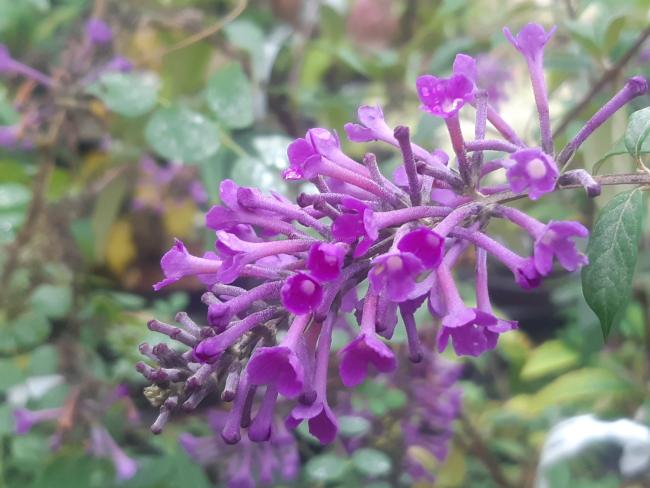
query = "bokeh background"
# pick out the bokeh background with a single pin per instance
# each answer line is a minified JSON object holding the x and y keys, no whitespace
{"x":104,"y":173}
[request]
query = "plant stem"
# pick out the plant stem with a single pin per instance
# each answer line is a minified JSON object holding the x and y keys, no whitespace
{"x":618,"y":179}
{"x":478,"y":447}
{"x":607,"y":76}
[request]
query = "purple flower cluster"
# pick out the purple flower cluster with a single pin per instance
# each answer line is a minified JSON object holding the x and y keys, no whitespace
{"x":100,"y":442}
{"x":83,"y":63}
{"x":247,"y":464}
{"x":434,"y":402}
{"x":282,"y":272}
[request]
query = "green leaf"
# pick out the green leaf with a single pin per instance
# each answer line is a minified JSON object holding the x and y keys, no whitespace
{"x":263,"y":170}
{"x":248,"y":36}
{"x":326,"y":468}
{"x":394,"y":399}
{"x":584,"y":35}
{"x":28,"y":451}
{"x":178,"y":133}
{"x":51,"y":300}
{"x":582,"y":385}
{"x":619,"y":149}
{"x":128,"y":94}
{"x":550,"y":357}
{"x":612,"y":253}
{"x":613,"y":32}
{"x":106,"y":210}
{"x":638,"y":129}
{"x":229,"y":96}
{"x":353,"y":426}
{"x":371,"y":462}
{"x":25,"y":331}
{"x":30,"y":329}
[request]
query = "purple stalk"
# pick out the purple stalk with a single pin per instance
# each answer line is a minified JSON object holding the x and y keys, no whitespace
{"x":633,"y":88}
{"x":480,"y":127}
{"x":490,"y":145}
{"x":415,"y":189}
{"x":458,"y":143}
{"x":581,"y":177}
{"x":503,"y":127}
{"x":536,"y":69}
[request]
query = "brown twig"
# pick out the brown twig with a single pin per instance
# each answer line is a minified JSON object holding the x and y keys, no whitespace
{"x":36,"y":206}
{"x":199,"y":36}
{"x":607,"y":76}
{"x":478,"y":448}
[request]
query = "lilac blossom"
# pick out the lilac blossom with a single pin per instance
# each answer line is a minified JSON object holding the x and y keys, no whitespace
{"x":282,"y":273}
{"x":532,"y":170}
{"x":98,"y":32}
{"x":26,"y":419}
{"x":103,"y":445}
{"x":530,"y":42}
{"x":247,"y":463}
{"x":86,"y":418}
{"x":9,"y":65}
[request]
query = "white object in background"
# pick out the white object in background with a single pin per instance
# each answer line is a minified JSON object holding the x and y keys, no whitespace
{"x":571,"y":436}
{"x":33,"y":387}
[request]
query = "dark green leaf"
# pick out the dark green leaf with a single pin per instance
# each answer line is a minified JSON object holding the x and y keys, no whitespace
{"x":128,"y":94}
{"x":612,"y":253}
{"x":638,"y":129}
{"x":229,"y":96}
{"x":371,"y":462}
{"x":178,"y":133}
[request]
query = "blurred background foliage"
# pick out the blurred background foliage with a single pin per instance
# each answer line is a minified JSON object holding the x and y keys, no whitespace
{"x":218,"y":90}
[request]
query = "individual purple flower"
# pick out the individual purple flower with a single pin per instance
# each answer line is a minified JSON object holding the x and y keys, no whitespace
{"x":282,"y":365}
{"x":373,"y":126}
{"x":301,"y":294}
{"x":119,"y":63}
{"x":326,"y":260}
{"x":11,"y":137}
{"x":485,"y":72}
{"x":555,"y":240}
{"x":322,"y":422}
{"x":103,"y":445}
{"x":493,"y":76}
{"x":552,"y":239}
{"x":444,"y":97}
{"x":425,"y":244}
{"x":351,"y":225}
{"x":531,"y":169}
{"x":366,"y":349}
{"x":98,"y":32}
{"x":9,"y":65}
{"x":178,"y":263}
{"x":530,"y":40}
{"x":472,"y":330}
{"x":303,"y":158}
{"x":393,"y":275}
{"x":25,"y":419}
{"x":6,"y":61}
